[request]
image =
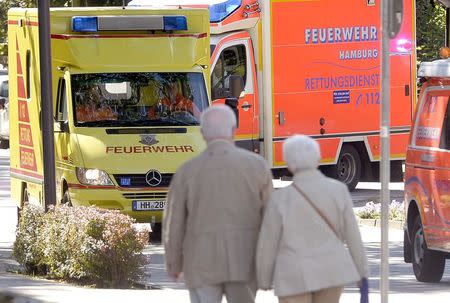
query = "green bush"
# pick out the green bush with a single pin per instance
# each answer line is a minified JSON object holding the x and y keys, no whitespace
{"x":28,"y":250}
{"x":86,"y":244}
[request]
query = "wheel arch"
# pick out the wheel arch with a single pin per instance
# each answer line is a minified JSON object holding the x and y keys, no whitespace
{"x":23,"y":188}
{"x":64,"y":187}
{"x":411,"y":215}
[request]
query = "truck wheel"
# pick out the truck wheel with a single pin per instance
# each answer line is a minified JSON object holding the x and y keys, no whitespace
{"x":428,"y":265}
{"x":22,"y":204}
{"x":407,"y":253}
{"x":348,"y":167}
{"x":25,"y":197}
{"x":156,"y":235}
{"x":66,"y":198}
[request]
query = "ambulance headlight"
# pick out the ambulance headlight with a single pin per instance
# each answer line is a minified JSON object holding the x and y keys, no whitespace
{"x":92,"y":176}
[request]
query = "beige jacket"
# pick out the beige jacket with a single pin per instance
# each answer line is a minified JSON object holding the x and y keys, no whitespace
{"x":297,"y":251}
{"x":213,"y":215}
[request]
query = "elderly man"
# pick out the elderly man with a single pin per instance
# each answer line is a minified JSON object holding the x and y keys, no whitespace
{"x":213,"y":213}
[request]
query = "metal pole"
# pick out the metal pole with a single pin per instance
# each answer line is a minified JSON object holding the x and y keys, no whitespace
{"x":385,"y":150}
{"x":267,"y":79}
{"x":46,"y":102}
{"x":447,"y":23}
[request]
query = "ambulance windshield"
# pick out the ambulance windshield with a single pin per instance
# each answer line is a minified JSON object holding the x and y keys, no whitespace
{"x":138,"y":99}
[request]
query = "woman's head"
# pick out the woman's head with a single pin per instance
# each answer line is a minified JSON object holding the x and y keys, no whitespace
{"x":301,"y":153}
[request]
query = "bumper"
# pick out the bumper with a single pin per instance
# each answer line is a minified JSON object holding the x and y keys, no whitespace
{"x":114,"y":198}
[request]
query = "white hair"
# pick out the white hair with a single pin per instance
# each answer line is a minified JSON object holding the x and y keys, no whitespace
{"x":301,"y":153}
{"x":218,"y":122}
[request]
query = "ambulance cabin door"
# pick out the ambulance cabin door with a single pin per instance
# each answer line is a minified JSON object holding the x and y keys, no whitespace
{"x":62,"y":135}
{"x":233,"y":55}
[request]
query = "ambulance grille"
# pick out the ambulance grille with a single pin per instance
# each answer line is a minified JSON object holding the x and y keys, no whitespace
{"x":137,"y":196}
{"x":138,"y":180}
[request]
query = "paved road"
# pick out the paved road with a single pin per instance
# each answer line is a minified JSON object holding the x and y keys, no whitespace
{"x":8,"y":212}
{"x":364,"y":192}
{"x":403,"y":285}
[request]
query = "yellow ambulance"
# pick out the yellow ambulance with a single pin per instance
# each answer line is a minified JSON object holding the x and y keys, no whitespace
{"x":129,"y":85}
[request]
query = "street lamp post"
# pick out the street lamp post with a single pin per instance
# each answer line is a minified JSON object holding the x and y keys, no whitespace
{"x":46,"y":102}
{"x":391,"y":21}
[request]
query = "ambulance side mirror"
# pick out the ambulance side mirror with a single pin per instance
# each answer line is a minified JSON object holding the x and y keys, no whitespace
{"x":236,"y":86}
{"x":63,"y":127}
{"x":233,"y":104}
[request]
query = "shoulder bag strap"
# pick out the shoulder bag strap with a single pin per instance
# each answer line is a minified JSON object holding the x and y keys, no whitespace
{"x":324,"y":218}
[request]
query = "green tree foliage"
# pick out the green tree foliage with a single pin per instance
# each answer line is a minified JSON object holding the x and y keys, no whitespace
{"x":5,"y":5}
{"x":430,"y":20}
{"x":430,"y":23}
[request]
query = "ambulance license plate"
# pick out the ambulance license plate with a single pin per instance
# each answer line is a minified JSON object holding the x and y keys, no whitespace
{"x":148,"y":205}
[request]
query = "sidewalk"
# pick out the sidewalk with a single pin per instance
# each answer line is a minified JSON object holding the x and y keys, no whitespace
{"x":402,"y":282}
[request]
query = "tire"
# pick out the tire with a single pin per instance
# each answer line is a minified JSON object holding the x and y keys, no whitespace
{"x":25,"y":197}
{"x":156,"y":234}
{"x":428,"y":265}
{"x":66,"y":198}
{"x":4,"y":144}
{"x":396,"y":171}
{"x":24,"y":202}
{"x":348,"y":167}
{"x":407,"y":252}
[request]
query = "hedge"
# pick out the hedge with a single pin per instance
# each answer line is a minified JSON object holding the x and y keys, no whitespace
{"x":84,"y":244}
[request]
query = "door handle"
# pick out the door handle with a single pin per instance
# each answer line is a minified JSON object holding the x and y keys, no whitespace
{"x":246,"y":106}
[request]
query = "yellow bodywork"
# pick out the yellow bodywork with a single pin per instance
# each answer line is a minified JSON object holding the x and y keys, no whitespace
{"x":115,"y":150}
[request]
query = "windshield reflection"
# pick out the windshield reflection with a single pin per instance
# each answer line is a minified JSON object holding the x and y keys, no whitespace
{"x":138,"y":99}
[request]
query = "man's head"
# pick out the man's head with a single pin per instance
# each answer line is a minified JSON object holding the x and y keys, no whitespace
{"x":218,"y":122}
{"x":301,"y":153}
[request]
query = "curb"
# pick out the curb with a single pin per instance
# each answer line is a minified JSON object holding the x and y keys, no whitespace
{"x":377,"y":223}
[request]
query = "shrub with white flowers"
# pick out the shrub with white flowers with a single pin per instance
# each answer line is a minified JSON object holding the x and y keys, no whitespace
{"x":373,"y":211}
{"x":83,"y":244}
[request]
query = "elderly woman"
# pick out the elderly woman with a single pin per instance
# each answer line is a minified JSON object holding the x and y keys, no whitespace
{"x":301,"y":249}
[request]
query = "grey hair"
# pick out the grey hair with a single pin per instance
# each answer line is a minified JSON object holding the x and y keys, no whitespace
{"x":301,"y":153}
{"x":218,"y":122}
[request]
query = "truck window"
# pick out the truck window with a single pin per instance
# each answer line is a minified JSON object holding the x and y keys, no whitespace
{"x":138,"y":99}
{"x":429,"y":125}
{"x":62,"y":113}
{"x":445,"y":136}
{"x":4,"y":89}
{"x":232,"y":61}
{"x":28,"y":79}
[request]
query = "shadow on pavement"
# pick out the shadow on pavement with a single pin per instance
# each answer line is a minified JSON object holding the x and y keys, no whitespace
{"x":402,"y":279}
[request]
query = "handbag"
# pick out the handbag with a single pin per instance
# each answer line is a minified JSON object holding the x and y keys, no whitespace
{"x":364,"y":283}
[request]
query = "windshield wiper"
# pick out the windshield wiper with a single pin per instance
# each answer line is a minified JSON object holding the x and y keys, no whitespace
{"x":169,"y":121}
{"x":98,"y":123}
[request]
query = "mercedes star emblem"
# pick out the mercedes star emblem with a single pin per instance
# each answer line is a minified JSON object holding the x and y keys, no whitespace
{"x":153,"y":177}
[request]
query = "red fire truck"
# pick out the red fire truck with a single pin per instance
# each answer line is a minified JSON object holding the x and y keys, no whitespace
{"x":312,"y":67}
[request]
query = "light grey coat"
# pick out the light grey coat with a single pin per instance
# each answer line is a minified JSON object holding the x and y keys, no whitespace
{"x":297,"y":251}
{"x":213,"y":215}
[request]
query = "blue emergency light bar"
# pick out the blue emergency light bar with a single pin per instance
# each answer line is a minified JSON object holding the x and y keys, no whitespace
{"x":175,"y":23}
{"x":84,"y":24}
{"x":127,"y":23}
{"x":219,"y":11}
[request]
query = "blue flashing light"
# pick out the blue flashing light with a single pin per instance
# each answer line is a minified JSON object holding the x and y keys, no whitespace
{"x":125,"y":181}
{"x":219,"y":11}
{"x":84,"y":24}
{"x":175,"y":23}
